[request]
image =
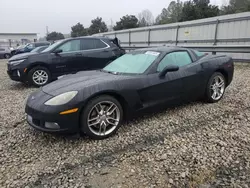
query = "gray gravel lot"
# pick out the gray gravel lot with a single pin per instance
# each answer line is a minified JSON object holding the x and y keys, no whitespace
{"x":194,"y":145}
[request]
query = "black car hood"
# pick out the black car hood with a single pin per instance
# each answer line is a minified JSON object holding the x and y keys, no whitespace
{"x":79,"y":81}
{"x":22,"y":56}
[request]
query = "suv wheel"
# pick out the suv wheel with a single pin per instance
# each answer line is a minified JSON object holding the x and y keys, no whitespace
{"x":7,"y":56}
{"x":39,"y":76}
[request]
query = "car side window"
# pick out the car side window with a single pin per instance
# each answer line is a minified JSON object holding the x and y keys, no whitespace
{"x":70,"y":46}
{"x":180,"y":59}
{"x":89,"y":44}
{"x":99,"y":44}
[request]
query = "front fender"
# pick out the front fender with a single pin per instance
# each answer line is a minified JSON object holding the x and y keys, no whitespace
{"x":130,"y":97}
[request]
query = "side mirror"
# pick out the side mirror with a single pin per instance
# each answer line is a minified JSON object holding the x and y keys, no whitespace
{"x":169,"y":68}
{"x":58,"y":51}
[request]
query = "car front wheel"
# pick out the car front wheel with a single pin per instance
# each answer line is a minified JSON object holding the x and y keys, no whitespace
{"x":39,"y":76}
{"x":101,"y":117}
{"x":216,"y":87}
{"x":7,"y":56}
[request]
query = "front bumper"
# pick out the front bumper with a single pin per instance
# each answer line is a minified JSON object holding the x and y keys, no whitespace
{"x":48,"y":118}
{"x":17,"y":73}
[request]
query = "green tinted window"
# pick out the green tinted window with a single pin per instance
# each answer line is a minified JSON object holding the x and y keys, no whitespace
{"x":70,"y":46}
{"x":174,"y":58}
{"x":132,"y":63}
{"x":199,"y":54}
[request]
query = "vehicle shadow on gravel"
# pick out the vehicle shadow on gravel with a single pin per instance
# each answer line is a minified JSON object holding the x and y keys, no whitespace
{"x":141,"y":116}
{"x":54,"y":138}
{"x":152,"y":112}
{"x":20,"y":86}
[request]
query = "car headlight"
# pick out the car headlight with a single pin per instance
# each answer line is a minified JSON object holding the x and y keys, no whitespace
{"x":14,"y":63}
{"x":61,"y":99}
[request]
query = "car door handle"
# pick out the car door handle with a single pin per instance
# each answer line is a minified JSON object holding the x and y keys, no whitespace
{"x":78,"y":54}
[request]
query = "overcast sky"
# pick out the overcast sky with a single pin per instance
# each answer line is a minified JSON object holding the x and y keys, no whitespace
{"x":59,"y":15}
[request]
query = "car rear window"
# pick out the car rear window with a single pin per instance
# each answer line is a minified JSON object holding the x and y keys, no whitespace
{"x":112,"y":43}
{"x":100,"y":44}
{"x":198,"y":53}
{"x":89,"y":44}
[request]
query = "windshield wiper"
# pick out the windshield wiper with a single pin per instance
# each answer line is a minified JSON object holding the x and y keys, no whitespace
{"x":110,"y":72}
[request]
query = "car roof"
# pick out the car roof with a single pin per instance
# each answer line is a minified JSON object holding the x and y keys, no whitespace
{"x":42,"y":46}
{"x":40,"y":42}
{"x":162,"y":48}
{"x":87,"y":37}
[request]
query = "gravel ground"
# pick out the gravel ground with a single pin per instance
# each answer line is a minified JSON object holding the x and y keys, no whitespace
{"x":194,"y":145}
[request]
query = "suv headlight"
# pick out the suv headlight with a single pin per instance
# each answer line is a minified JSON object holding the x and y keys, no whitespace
{"x":61,"y":99}
{"x":14,"y":63}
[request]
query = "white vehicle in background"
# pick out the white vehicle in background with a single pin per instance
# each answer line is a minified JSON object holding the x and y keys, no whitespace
{"x":5,"y":52}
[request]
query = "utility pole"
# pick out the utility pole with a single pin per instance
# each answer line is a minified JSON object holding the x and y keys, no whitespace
{"x":47,"y":30}
{"x":111,"y":25}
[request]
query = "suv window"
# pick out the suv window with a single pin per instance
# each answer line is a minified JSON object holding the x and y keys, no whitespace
{"x":100,"y":44}
{"x":70,"y":46}
{"x":1,"y":49}
{"x":180,"y":59}
{"x":88,"y":44}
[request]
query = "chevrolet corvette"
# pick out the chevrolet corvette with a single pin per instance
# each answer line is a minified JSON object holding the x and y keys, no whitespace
{"x":96,"y":102}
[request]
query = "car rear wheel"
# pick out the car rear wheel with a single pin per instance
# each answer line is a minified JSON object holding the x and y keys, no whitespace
{"x":7,"y":56}
{"x":101,"y":117}
{"x":216,"y":87}
{"x":39,"y":76}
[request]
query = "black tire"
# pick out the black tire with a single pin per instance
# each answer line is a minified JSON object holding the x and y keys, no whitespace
{"x":7,"y":56}
{"x":85,"y":129}
{"x":33,"y":70}
{"x":209,"y":91}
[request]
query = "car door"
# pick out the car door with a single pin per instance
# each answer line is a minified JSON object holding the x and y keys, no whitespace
{"x":67,"y":61}
{"x":192,"y":75}
{"x":165,"y":90}
{"x":2,"y":51}
{"x":96,"y":54}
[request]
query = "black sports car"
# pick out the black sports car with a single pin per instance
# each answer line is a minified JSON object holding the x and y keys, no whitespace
{"x":96,"y":102}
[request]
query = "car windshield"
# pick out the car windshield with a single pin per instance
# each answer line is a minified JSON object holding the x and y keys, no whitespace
{"x":134,"y":63}
{"x":30,"y":46}
{"x":21,"y":46}
{"x":39,"y":49}
{"x":36,"y":49}
{"x":52,"y":46}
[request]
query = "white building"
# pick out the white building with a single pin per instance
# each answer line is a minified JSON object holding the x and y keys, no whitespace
{"x":15,"y":39}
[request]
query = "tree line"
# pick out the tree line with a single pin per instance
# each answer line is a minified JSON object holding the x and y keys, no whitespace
{"x":177,"y":11}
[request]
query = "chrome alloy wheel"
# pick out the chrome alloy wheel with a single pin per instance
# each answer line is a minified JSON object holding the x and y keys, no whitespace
{"x":40,"y":77}
{"x":103,"y":118}
{"x":217,"y":87}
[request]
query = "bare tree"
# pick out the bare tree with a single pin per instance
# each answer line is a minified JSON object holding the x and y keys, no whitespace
{"x":146,"y":18}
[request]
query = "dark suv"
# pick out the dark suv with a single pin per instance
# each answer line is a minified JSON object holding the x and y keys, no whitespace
{"x":28,"y":47}
{"x":63,"y":57}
